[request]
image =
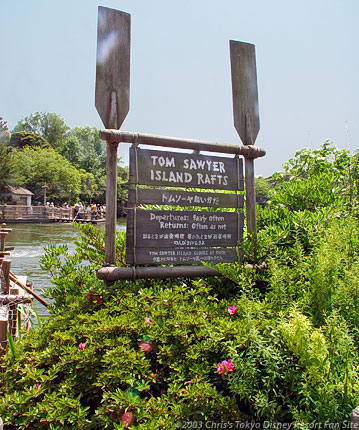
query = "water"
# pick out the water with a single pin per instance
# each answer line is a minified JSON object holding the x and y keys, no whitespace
{"x":29,"y":241}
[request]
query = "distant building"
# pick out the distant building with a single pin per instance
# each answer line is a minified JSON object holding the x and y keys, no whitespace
{"x":17,"y":196}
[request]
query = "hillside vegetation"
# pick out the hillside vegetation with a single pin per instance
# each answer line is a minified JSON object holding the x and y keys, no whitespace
{"x":43,"y":150}
{"x":268,"y":343}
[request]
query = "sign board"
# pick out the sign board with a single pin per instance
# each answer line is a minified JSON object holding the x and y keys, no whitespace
{"x":189,"y":236}
{"x":181,"y":256}
{"x":170,"y":197}
{"x":178,"y":169}
{"x":182,"y":237}
{"x":170,"y":229}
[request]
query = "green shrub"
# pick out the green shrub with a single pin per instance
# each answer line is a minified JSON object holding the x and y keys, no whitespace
{"x":126,"y":364}
{"x":146,"y":354}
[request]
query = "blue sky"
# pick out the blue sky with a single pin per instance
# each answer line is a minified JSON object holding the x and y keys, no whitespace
{"x":307,"y":64}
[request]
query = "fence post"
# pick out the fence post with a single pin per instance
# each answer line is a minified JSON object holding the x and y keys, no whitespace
{"x":3,"y":336}
{"x":355,"y":419}
{"x":5,"y":281}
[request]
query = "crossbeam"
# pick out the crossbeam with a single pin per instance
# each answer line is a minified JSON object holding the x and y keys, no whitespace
{"x":116,"y":273}
{"x":116,"y":136}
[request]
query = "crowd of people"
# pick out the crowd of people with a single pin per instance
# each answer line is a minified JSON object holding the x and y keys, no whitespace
{"x":96,"y":211}
{"x":81,"y":210}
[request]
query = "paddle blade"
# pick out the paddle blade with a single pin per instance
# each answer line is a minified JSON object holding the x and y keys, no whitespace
{"x":112,"y":99}
{"x":244,"y":90}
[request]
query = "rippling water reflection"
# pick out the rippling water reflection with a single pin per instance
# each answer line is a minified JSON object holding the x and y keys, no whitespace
{"x":29,"y":241}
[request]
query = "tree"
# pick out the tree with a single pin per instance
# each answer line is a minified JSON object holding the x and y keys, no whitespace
{"x":37,"y":166}
{"x":4,"y":131}
{"x":5,"y":167}
{"x":71,"y":150}
{"x":49,"y":126}
{"x":20,"y":139}
{"x":3,"y":124}
{"x":89,"y":150}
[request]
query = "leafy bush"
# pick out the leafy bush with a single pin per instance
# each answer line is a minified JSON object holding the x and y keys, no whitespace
{"x":277,"y":340}
{"x":315,"y":187}
{"x":146,"y":350}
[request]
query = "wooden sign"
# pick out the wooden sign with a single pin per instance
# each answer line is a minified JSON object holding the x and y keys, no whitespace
{"x":180,"y":256}
{"x":183,"y":237}
{"x":168,"y":197}
{"x":245,"y":90}
{"x":178,"y":169}
{"x":158,"y":229}
{"x":170,"y":229}
{"x":112,"y":98}
{"x":168,"y":236}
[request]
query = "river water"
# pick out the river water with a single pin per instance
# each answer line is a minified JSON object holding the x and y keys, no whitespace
{"x":29,"y":241}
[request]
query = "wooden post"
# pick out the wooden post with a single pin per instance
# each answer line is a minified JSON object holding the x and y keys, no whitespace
{"x":246,"y":118}
{"x":250,"y":200}
{"x":111,"y":203}
{"x":6,"y":266}
{"x":111,"y":189}
{"x":250,"y":187}
{"x":12,"y":319}
{"x":44,"y":187}
{"x":112,"y":101}
{"x":3,"y":335}
{"x":13,"y":278}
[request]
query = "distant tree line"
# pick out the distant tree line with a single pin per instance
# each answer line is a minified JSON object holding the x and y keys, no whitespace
{"x":43,"y":149}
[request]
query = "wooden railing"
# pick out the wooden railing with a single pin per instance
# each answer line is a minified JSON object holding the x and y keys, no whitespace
{"x":17,"y":212}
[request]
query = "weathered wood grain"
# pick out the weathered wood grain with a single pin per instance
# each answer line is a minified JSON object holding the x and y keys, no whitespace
{"x":3,"y":331}
{"x":244,"y":90}
{"x":113,"y":66}
{"x":250,"y":200}
{"x":111,"y":202}
{"x":116,"y":273}
{"x":118,"y":136}
{"x":112,"y":100}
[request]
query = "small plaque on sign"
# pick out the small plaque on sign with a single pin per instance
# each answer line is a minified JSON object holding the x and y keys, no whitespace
{"x":170,"y":197}
{"x":180,"y":256}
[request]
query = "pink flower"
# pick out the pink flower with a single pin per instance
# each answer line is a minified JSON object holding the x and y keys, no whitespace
{"x":89,"y":296}
{"x":232,"y":309}
{"x":37,"y":386}
{"x":127,"y":418}
{"x":81,"y":346}
{"x":44,"y":422}
{"x":98,"y":300}
{"x":146,"y":347}
{"x":148,"y":321}
{"x":188,"y":383}
{"x":225,"y":367}
{"x":184,"y":392}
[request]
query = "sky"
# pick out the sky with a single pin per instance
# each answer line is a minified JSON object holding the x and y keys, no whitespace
{"x":307,"y":67}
